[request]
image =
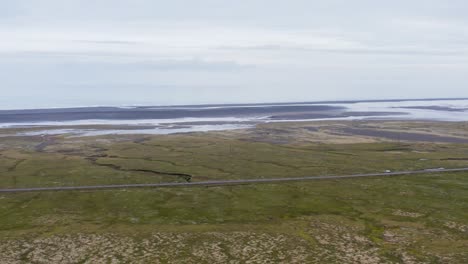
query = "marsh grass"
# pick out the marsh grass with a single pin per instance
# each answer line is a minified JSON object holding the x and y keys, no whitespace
{"x":401,"y":219}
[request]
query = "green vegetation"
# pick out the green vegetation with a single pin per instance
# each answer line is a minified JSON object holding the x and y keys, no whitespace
{"x":403,"y":219}
{"x":178,"y":158}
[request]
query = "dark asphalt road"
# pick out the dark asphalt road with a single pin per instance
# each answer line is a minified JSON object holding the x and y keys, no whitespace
{"x":227,"y":182}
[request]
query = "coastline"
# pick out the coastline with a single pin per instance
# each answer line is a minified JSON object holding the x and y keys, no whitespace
{"x":185,"y":119}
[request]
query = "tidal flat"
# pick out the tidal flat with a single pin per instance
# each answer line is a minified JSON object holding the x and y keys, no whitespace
{"x":401,"y":219}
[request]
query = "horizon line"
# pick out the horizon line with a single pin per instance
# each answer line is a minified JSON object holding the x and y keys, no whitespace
{"x":242,"y":104}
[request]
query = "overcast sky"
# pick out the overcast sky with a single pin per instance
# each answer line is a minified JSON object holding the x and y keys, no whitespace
{"x":56,"y":53}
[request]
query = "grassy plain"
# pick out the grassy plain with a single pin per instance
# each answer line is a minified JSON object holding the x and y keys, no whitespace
{"x":404,"y":219}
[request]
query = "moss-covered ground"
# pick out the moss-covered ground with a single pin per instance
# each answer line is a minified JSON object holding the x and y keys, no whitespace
{"x":402,"y":219}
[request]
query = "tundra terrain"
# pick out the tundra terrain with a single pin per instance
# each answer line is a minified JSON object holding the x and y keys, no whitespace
{"x":399,"y":219}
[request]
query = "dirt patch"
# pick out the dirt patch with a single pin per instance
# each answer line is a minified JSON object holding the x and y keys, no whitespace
{"x":404,"y":136}
{"x":214,"y":247}
{"x":407,"y":214}
{"x":456,"y":226}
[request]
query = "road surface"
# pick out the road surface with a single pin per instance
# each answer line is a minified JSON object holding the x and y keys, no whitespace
{"x":227,"y":182}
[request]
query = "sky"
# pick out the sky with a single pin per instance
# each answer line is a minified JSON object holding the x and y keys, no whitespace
{"x":56,"y":53}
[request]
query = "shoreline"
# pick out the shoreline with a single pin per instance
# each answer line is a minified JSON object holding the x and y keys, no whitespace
{"x":170,"y":120}
{"x":228,"y":104}
{"x":375,"y":129}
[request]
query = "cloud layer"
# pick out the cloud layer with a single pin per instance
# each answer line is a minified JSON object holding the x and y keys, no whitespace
{"x":64,"y":53}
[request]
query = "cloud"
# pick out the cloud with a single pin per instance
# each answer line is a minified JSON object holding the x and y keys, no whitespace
{"x":108,"y":42}
{"x":254,"y":50}
{"x":193,"y":65}
{"x":356,"y":51}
